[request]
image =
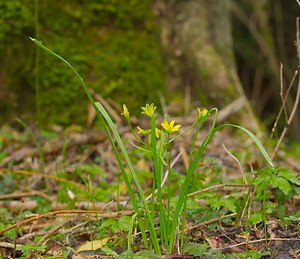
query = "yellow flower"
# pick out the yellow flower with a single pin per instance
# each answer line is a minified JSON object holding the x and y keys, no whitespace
{"x":142,"y":131}
{"x":149,"y":109}
{"x":125,"y":112}
{"x":147,"y":132}
{"x":202,"y":113}
{"x":157,"y":132}
{"x":169,"y":127}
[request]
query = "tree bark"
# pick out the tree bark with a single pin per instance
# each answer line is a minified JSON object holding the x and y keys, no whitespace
{"x":196,"y":35}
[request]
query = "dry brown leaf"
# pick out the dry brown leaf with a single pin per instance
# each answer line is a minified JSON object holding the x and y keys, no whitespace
{"x":93,"y":245}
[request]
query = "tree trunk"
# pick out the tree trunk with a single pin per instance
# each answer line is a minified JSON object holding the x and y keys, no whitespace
{"x":197,"y":37}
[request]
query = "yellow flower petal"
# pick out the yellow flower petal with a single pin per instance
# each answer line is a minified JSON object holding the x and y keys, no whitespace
{"x":157,"y":132}
{"x":169,"y":127}
{"x":149,"y":109}
{"x":142,"y":131}
{"x":202,"y":113}
{"x":125,"y":112}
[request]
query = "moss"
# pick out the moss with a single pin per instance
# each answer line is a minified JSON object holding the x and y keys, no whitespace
{"x":113,"y":44}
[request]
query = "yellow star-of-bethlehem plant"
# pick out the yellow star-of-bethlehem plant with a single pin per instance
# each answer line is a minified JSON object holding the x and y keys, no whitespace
{"x":157,"y":132}
{"x":125,"y":112}
{"x":202,"y":113}
{"x":143,"y":131}
{"x":148,"y":109}
{"x":170,"y":127}
{"x":147,"y":132}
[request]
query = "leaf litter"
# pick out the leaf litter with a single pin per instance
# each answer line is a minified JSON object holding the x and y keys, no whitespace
{"x":52,"y":211}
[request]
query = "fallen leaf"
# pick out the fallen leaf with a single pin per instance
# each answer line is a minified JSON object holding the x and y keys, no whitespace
{"x":93,"y":245}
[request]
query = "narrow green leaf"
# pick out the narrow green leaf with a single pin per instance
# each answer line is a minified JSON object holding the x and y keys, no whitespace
{"x":254,"y":139}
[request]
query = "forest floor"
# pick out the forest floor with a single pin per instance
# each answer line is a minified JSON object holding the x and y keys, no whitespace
{"x":61,"y":189}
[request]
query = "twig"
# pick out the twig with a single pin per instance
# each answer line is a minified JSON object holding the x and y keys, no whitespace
{"x":8,"y":245}
{"x":260,"y":240}
{"x":219,"y":186}
{"x":295,"y":107}
{"x":36,"y":174}
{"x":65,"y":213}
{"x":51,"y":233}
{"x":224,"y":114}
{"x":210,"y":221}
{"x":283,"y":104}
{"x":231,"y":108}
{"x":281,"y":92}
{"x":285,"y":130}
{"x":238,"y":162}
{"x":75,"y":139}
{"x":19,"y":205}
{"x":18,"y":195}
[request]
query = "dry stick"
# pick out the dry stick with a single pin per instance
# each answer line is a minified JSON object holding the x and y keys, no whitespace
{"x":286,"y":127}
{"x":294,"y":110}
{"x":219,"y":186}
{"x":281,"y":93}
{"x":231,"y":108}
{"x":8,"y":245}
{"x":73,"y":229}
{"x":283,"y":104}
{"x":210,"y":221}
{"x":47,"y":176}
{"x":18,"y":195}
{"x":19,"y":205}
{"x":247,"y":205}
{"x":51,"y":233}
{"x":65,"y":213}
{"x":80,"y":205}
{"x":261,"y":240}
{"x":238,"y":163}
{"x":24,"y":238}
{"x":55,"y":146}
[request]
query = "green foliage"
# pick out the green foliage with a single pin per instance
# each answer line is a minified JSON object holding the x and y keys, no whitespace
{"x":221,"y":202}
{"x":116,"y":225}
{"x":124,"y":62}
{"x":144,"y":254}
{"x":29,"y":248}
{"x":194,"y":249}
{"x":252,"y":254}
{"x":280,"y":178}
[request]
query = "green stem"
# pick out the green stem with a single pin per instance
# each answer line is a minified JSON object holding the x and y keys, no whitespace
{"x":158,"y":179}
{"x":168,"y":192}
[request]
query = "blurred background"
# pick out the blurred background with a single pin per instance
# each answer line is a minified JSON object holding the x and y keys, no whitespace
{"x":185,"y":52}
